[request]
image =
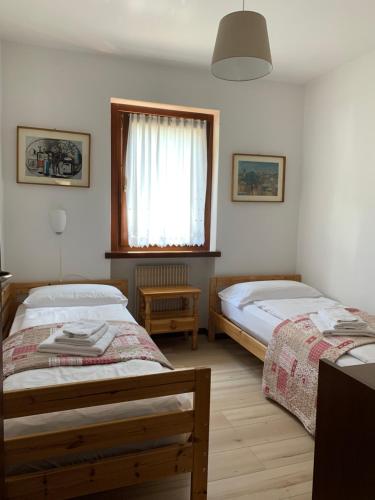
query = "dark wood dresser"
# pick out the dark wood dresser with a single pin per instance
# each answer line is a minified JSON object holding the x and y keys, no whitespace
{"x":4,"y":277}
{"x":344,"y":462}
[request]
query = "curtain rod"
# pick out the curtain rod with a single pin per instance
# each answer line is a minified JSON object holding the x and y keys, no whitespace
{"x":166,"y":115}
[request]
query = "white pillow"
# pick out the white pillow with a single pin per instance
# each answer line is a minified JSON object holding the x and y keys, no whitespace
{"x":242,"y":294}
{"x":74,"y":295}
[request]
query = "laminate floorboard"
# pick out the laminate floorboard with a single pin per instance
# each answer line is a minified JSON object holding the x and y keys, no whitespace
{"x":258,"y":451}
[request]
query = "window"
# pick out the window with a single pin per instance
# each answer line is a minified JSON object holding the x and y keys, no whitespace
{"x":161,"y":179}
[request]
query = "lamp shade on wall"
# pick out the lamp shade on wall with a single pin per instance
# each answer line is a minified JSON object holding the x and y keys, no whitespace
{"x":57,"y":220}
{"x":242,"y":50}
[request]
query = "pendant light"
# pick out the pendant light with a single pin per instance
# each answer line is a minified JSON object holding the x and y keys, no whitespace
{"x":242,"y":50}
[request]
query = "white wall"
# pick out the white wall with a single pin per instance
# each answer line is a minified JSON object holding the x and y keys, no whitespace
{"x":266,"y":118}
{"x":71,"y":90}
{"x":336,"y":231}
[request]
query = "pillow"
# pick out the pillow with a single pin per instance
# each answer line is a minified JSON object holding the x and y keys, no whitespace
{"x":74,"y":295}
{"x":241,"y":294}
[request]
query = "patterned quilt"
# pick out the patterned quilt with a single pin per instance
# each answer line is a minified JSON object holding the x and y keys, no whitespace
{"x":290,"y":374}
{"x":131,"y":342}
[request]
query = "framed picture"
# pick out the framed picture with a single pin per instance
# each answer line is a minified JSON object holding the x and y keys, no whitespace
{"x":258,"y":178}
{"x":57,"y":157}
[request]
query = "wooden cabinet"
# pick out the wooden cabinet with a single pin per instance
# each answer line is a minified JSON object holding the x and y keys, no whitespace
{"x":344,"y":463}
{"x":184,"y":320}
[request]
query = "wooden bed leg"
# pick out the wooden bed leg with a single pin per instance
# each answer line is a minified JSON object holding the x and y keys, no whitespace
{"x":211,"y":328}
{"x":212,"y":307}
{"x":201,"y":434}
{"x":194,"y":333}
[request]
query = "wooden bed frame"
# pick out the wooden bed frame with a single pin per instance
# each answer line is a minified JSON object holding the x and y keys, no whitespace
{"x":115,"y":472}
{"x":219,"y":323}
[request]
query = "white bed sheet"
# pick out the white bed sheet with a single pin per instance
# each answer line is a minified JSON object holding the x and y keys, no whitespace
{"x":260,"y":323}
{"x":252,"y":320}
{"x":62,"y":375}
{"x":26,"y":317}
{"x":288,"y":308}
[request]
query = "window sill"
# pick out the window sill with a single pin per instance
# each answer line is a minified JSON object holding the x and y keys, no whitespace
{"x":137,"y":254}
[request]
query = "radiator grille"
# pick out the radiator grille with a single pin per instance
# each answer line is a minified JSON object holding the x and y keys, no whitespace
{"x":161,"y":275}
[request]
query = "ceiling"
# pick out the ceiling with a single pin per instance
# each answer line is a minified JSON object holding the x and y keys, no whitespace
{"x":307,"y":37}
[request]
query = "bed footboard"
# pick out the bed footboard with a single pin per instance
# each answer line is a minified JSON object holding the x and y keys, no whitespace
{"x":122,"y":470}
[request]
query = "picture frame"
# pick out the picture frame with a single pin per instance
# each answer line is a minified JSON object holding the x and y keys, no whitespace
{"x":258,"y":178}
{"x":53,"y":157}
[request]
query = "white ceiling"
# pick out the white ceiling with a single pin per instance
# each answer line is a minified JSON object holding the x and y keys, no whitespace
{"x":307,"y":37}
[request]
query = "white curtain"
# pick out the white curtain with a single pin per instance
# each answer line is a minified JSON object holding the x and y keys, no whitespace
{"x":166,"y":177}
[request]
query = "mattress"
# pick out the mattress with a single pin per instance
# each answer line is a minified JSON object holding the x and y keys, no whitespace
{"x":260,"y":323}
{"x":61,"y":375}
{"x":251,"y":319}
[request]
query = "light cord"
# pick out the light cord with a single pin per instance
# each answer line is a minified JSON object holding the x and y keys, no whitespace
{"x":63,"y":276}
{"x":60,"y":260}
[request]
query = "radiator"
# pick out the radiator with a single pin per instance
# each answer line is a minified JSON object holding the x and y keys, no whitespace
{"x":161,"y":275}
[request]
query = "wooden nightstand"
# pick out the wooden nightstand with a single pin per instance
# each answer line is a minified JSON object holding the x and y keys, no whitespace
{"x":171,"y":321}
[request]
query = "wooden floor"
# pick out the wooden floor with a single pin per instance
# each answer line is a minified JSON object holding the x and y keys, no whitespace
{"x":257,"y":450}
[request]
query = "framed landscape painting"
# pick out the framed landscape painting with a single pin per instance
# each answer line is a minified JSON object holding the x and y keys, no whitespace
{"x":258,"y":178}
{"x":49,"y":156}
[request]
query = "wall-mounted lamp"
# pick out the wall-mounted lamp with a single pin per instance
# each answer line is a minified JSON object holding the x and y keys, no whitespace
{"x":57,"y":220}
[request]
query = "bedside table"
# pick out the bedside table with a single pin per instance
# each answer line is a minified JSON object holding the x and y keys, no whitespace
{"x":171,"y":321}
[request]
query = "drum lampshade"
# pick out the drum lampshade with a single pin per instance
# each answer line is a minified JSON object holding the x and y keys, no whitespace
{"x":242,"y":50}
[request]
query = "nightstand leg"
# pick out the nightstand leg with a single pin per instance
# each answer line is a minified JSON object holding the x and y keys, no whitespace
{"x":148,"y":314}
{"x":141,"y":307}
{"x":194,"y":335}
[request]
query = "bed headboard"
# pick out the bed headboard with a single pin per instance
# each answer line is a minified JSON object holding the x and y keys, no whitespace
{"x":13,"y":294}
{"x":218,"y":283}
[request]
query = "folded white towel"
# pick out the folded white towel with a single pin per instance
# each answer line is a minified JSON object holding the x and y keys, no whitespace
{"x":324,"y":328}
{"x":77,"y":341}
{"x":82,"y":329}
{"x":50,"y":344}
{"x":339,"y":314}
{"x":338,"y":317}
{"x":348,"y":326}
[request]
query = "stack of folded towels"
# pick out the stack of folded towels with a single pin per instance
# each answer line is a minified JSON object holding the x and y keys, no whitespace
{"x":339,"y":321}
{"x":81,"y":338}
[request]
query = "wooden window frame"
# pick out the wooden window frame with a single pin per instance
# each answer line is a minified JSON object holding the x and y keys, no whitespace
{"x":119,"y":136}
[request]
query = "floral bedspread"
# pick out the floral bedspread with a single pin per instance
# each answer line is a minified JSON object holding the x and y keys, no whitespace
{"x":131,"y":342}
{"x":290,"y":374}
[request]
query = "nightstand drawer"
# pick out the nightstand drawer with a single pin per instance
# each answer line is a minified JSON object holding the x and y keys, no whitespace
{"x":172,"y":325}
